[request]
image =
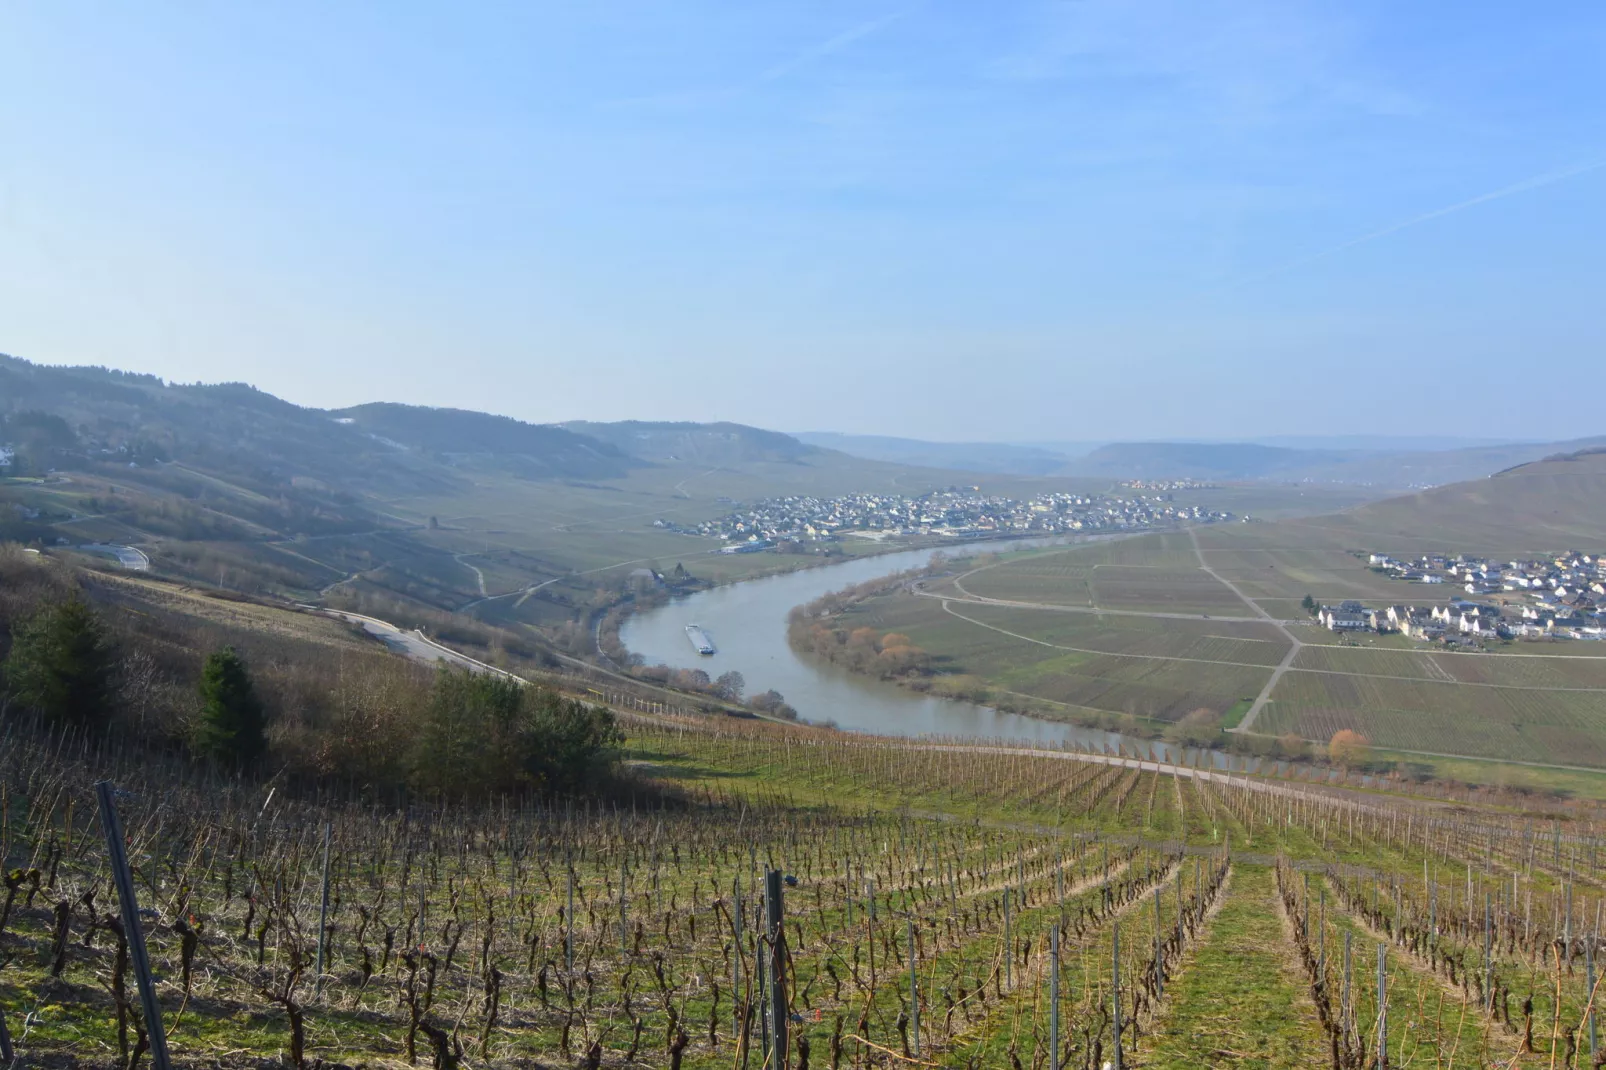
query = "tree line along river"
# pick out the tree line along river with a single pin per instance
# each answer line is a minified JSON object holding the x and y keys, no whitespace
{"x":746,"y":622}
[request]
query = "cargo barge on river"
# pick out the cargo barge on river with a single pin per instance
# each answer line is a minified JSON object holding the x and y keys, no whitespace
{"x":699,"y":640}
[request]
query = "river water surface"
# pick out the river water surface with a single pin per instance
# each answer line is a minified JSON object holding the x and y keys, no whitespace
{"x":747,"y":623}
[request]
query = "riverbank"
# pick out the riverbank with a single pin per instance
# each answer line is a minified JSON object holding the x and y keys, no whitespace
{"x":747,"y":623}
{"x":829,"y":630}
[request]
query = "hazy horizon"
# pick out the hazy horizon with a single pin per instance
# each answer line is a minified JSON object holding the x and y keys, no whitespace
{"x":1023,"y":223}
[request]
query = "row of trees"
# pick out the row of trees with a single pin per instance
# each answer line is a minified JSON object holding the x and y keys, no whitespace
{"x":816,"y":628}
{"x":887,"y":655}
{"x":63,"y":667}
{"x":727,"y":687}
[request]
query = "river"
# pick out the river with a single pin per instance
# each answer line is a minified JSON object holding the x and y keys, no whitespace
{"x":746,"y":622}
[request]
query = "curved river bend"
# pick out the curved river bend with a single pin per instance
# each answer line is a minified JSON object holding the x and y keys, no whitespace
{"x":747,"y":623}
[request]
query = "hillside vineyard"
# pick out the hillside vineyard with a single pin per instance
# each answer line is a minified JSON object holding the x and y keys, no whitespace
{"x":641,"y":931}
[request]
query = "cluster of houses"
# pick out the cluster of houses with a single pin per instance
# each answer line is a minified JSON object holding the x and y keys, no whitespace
{"x":1560,"y":597}
{"x":955,"y":512}
{"x":1167,"y":484}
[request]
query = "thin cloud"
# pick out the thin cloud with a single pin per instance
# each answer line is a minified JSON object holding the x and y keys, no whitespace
{"x":1536,"y":182}
{"x":826,"y":48}
{"x":702,"y":97}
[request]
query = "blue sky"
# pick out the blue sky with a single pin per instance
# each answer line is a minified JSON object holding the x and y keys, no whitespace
{"x":1100,"y":219}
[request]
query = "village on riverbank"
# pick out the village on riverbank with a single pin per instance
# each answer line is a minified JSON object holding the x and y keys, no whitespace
{"x":1560,"y":597}
{"x":952,"y":513}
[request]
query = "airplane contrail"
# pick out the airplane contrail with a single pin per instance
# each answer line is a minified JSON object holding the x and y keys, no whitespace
{"x":1546,"y":179}
{"x":781,"y":70}
{"x":825,"y":48}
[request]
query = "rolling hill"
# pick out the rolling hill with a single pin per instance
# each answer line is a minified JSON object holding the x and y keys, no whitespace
{"x":694,"y":443}
{"x":401,"y":509}
{"x":456,"y":435}
{"x":1542,"y":506}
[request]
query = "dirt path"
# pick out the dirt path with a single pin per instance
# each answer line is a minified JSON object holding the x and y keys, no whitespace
{"x":1294,"y":642}
{"x":479,"y":577}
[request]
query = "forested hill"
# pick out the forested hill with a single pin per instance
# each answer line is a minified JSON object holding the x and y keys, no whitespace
{"x":96,"y":412}
{"x":441,"y":509}
{"x":714,"y":443}
{"x":528,"y":449}
{"x":54,"y":415}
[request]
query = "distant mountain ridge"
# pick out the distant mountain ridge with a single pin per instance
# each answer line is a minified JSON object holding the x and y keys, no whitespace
{"x":1396,"y":462}
{"x":712,"y":443}
{"x":1249,"y":461}
{"x":995,"y":457}
{"x":1199,"y":460}
{"x":531,"y":450}
{"x":393,"y":445}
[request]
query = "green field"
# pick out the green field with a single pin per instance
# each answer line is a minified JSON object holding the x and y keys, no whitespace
{"x":1521,"y":724}
{"x":1328,"y":574}
{"x":1127,"y":665}
{"x":1496,"y":670}
{"x":1130,"y":628}
{"x":1151,"y":573}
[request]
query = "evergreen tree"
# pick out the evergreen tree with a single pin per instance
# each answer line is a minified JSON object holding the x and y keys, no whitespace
{"x":61,"y":665}
{"x":231,"y":724}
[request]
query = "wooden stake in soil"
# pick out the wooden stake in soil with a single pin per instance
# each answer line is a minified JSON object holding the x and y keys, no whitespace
{"x":1008,"y":948}
{"x":1159,"y":962}
{"x":113,"y":828}
{"x":1382,"y":1009}
{"x":777,"y":968}
{"x":568,"y":924}
{"x":1589,"y":974}
{"x":1115,"y":989}
{"x":323,"y":913}
{"x":914,"y":990}
{"x":1053,"y":999}
{"x":738,"y":1002}
{"x":1346,"y":1018}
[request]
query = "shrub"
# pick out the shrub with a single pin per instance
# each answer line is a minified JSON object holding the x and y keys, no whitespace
{"x":1200,"y":728}
{"x":1348,"y":748}
{"x":485,"y":735}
